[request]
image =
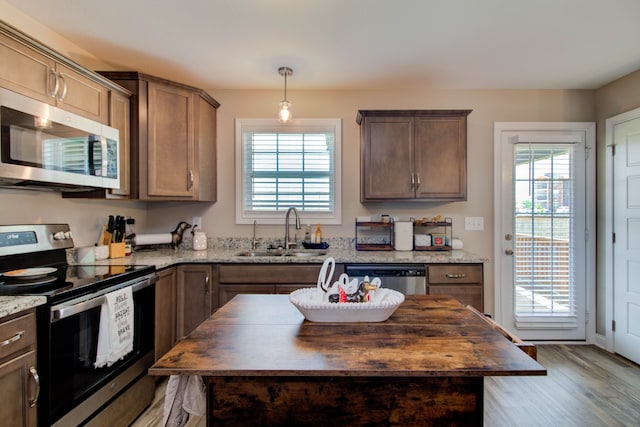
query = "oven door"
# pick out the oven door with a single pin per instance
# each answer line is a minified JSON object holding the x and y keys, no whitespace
{"x":71,"y":382}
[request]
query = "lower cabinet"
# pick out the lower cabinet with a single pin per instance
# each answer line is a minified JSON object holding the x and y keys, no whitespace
{"x":234,"y":279}
{"x":165,"y":316}
{"x":461,"y":281}
{"x":196,"y":296}
{"x":19,"y":381}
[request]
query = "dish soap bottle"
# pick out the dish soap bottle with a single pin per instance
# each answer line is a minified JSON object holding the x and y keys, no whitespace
{"x":318,"y":235}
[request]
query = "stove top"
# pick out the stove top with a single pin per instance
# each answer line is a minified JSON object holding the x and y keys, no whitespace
{"x":33,"y":262}
{"x":69,"y":281}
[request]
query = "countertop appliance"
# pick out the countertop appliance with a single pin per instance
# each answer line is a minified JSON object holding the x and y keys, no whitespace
{"x":409,"y":279}
{"x":33,"y":261}
{"x":45,"y":147}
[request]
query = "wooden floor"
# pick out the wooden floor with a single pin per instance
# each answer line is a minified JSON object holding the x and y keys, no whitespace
{"x":585,"y":387}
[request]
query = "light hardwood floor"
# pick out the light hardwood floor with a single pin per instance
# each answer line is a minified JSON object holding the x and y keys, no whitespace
{"x":585,"y":387}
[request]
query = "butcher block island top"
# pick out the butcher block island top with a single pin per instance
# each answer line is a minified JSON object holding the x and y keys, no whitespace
{"x":264,"y":364}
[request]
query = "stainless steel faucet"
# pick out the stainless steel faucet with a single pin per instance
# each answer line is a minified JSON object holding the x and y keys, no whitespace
{"x":254,"y":243}
{"x":287,"y":243}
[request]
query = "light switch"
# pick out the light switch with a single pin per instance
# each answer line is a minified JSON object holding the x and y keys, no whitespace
{"x":474,"y":223}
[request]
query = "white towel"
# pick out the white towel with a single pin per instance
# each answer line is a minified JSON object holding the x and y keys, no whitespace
{"x":185,"y":395}
{"x":115,"y":338}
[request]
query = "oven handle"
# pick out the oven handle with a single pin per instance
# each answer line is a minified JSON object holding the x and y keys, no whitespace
{"x":63,"y":311}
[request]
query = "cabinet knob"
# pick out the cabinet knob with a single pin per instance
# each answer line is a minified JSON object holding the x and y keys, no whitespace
{"x":508,"y":252}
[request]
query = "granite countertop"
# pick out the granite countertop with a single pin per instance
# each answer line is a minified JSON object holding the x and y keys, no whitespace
{"x":15,"y":304}
{"x":162,"y":258}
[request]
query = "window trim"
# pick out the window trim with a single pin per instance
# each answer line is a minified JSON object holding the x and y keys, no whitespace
{"x":296,"y":125}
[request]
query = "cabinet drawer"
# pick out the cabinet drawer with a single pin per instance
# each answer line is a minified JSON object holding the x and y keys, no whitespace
{"x":272,"y":274}
{"x":455,"y":273}
{"x":17,"y":334}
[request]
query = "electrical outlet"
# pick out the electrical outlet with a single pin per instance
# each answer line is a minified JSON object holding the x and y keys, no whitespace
{"x":197,"y":222}
{"x":475,"y":223}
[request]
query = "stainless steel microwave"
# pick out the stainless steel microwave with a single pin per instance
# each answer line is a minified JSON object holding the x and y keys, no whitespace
{"x":43,"y":146}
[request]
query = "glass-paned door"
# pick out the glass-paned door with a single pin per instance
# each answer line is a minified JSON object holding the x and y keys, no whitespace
{"x":544,"y":216}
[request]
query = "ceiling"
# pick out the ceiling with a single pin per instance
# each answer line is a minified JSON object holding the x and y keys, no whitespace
{"x":357,"y":44}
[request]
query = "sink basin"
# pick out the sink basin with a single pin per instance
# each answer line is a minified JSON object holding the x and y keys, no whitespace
{"x":294,"y":253}
{"x":259,"y":253}
{"x":306,"y":254}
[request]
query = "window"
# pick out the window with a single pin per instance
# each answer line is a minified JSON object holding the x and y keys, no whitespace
{"x":283,"y":165}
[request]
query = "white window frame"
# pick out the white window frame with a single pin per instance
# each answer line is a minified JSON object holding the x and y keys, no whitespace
{"x":243,"y":125}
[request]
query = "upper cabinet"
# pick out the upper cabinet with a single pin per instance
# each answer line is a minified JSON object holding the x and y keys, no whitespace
{"x":416,"y":155}
{"x":32,"y":69}
{"x":173,"y":139}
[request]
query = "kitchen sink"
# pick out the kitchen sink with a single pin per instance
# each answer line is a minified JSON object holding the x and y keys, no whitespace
{"x":260,"y":253}
{"x":292,"y":253}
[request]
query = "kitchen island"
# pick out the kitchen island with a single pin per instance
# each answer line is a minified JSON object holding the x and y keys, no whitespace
{"x":264,"y":364}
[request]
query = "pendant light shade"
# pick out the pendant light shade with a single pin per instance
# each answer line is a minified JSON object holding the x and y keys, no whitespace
{"x":284,"y":116}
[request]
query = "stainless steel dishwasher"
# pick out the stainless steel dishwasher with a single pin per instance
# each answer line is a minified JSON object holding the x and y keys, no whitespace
{"x":410,"y":279}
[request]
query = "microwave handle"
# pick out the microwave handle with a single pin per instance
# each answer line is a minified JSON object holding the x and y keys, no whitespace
{"x":64,"y":311}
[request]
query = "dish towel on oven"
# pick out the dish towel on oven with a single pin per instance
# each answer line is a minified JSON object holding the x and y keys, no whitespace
{"x":115,"y":338}
{"x":185,"y":395}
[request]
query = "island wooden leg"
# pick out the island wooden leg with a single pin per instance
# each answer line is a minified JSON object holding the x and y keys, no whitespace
{"x":344,"y":401}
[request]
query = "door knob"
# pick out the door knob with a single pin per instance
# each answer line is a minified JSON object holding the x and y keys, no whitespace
{"x":508,"y":252}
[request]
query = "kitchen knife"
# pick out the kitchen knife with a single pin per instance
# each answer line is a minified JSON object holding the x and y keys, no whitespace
{"x":111,"y":225}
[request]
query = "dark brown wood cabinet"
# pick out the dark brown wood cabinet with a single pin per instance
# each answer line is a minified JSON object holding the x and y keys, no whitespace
{"x":196,"y":298}
{"x":413,"y":155}
{"x":165,"y":311}
{"x":19,"y":380}
{"x":173,"y":139}
{"x":464,"y":282}
{"x":234,"y":279}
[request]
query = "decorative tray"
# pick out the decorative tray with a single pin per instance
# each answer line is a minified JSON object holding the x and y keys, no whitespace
{"x":309,"y":301}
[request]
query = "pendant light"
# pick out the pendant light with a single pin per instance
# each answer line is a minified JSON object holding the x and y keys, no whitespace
{"x":284,"y":116}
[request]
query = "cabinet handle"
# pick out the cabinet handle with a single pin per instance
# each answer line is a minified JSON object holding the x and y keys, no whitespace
{"x":455,"y":276}
{"x":64,"y":88}
{"x":413,"y":181}
{"x":190,"y":180}
{"x":206,"y":285}
{"x":36,"y":379}
{"x":13,"y":339}
{"x":54,"y":76}
{"x":417,"y":180}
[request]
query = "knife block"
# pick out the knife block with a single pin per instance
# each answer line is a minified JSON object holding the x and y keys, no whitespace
{"x":117,"y":250}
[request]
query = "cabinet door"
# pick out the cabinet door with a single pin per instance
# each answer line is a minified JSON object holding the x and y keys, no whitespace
{"x":170,"y":144}
{"x":26,"y":71}
{"x":119,"y":109}
{"x":165,"y":333}
{"x":441,"y":157}
{"x":387,"y":158}
{"x":194,"y":296}
{"x":81,"y":95}
{"x":19,"y":388}
{"x":205,"y":174}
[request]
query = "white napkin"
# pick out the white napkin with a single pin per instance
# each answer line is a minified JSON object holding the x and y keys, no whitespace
{"x":115,"y":338}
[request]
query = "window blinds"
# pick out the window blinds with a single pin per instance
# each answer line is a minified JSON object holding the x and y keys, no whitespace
{"x":281,"y":170}
{"x":544,"y":213}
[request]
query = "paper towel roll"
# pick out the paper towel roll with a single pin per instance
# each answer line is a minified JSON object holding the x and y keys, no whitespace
{"x":403,"y":232}
{"x":153,"y":239}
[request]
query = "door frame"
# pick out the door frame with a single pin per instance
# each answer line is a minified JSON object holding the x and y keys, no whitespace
{"x":590,"y":219}
{"x":609,"y":303}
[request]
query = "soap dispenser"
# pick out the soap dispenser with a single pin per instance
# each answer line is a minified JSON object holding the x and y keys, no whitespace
{"x":318,"y":235}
